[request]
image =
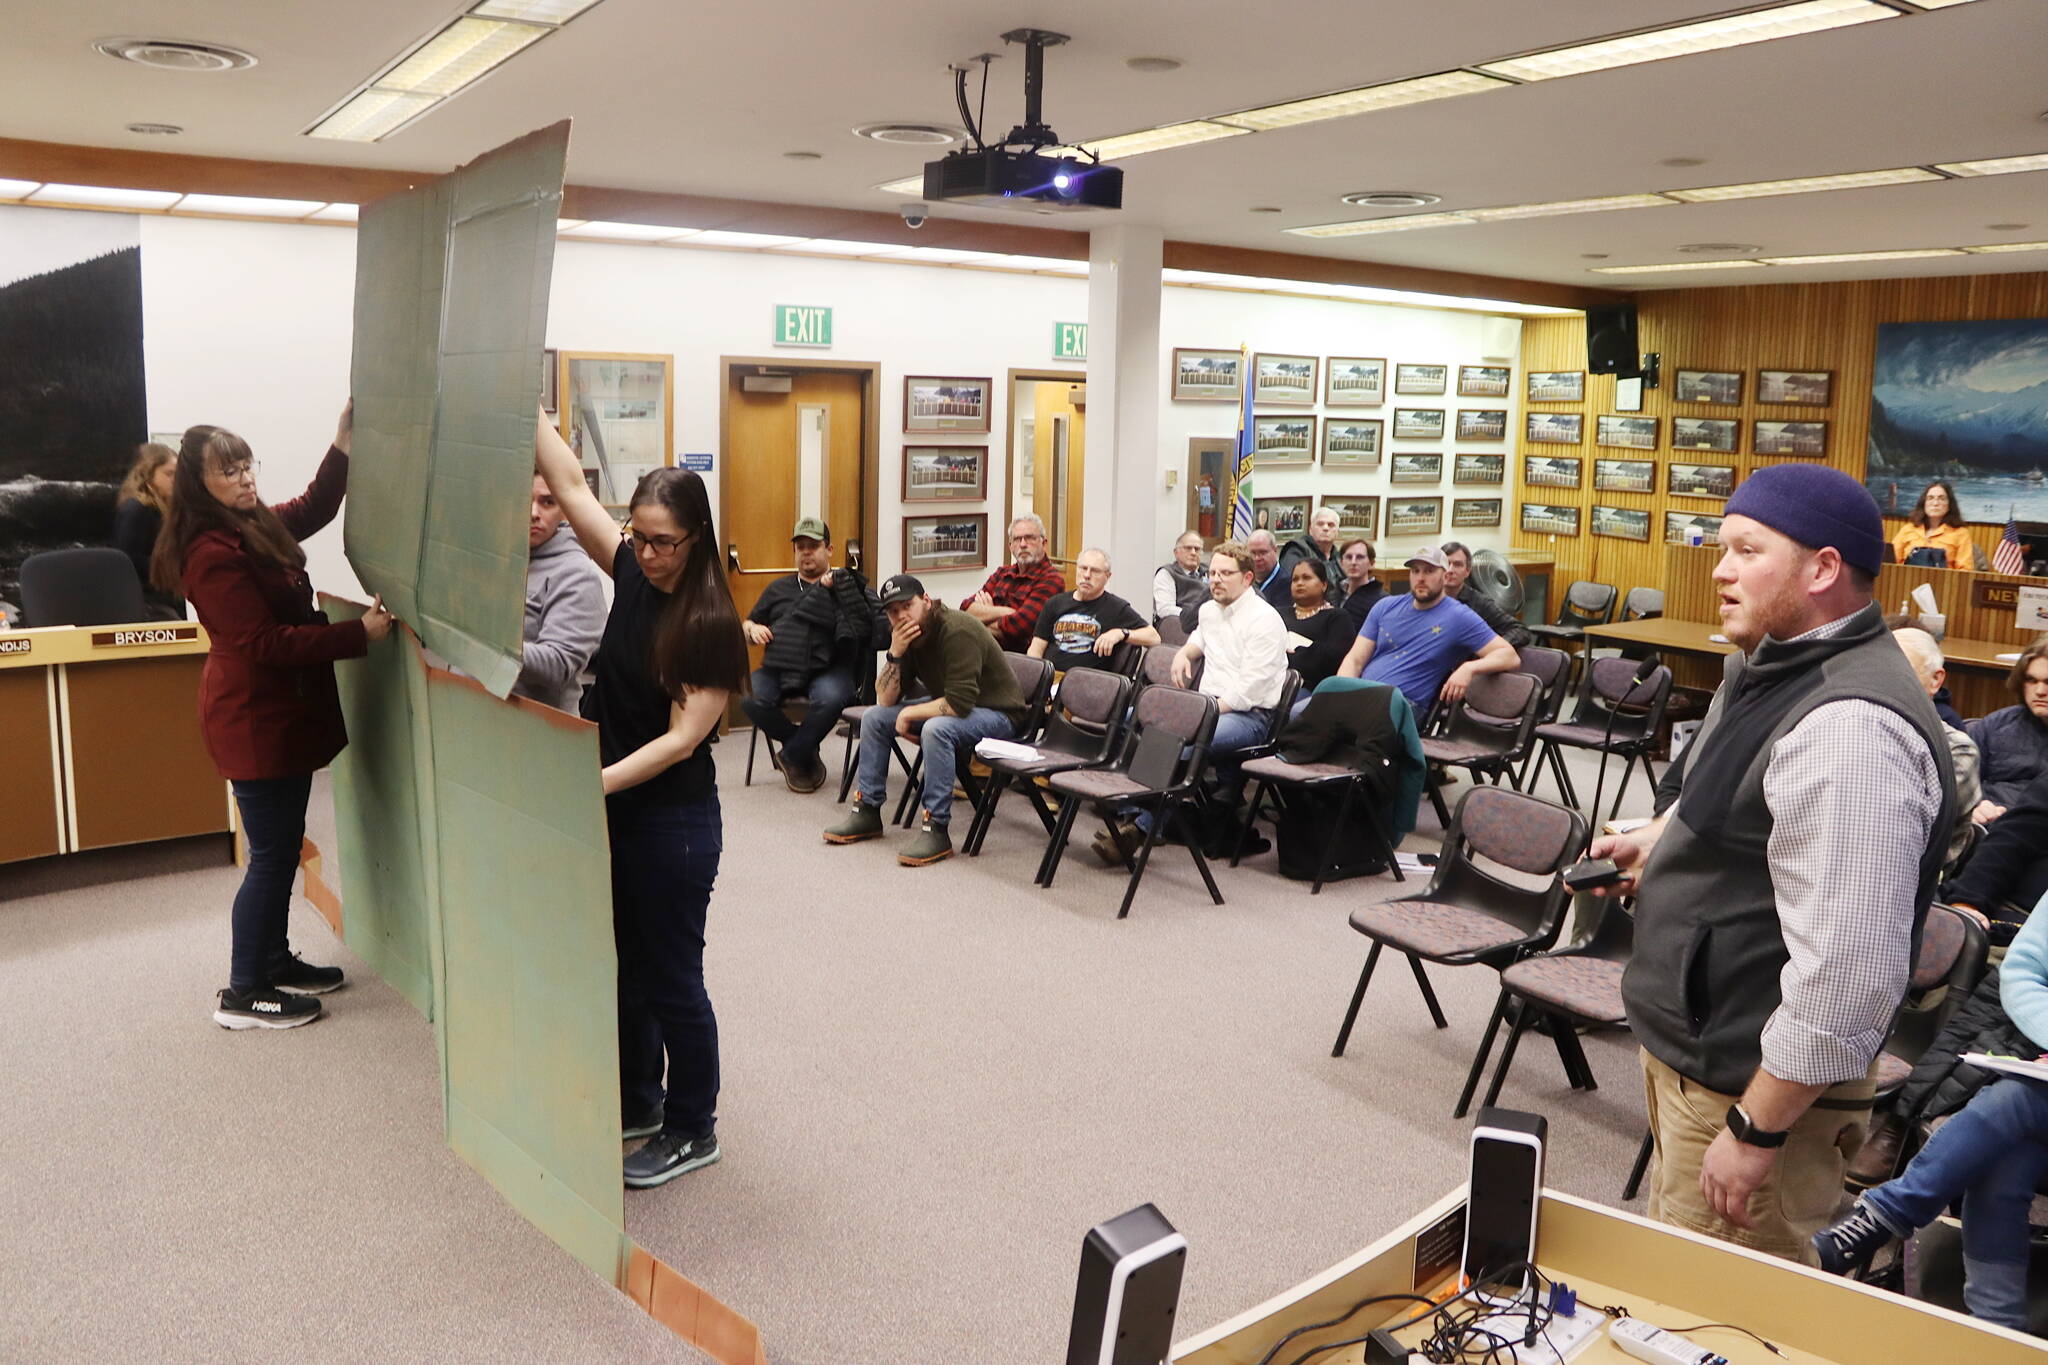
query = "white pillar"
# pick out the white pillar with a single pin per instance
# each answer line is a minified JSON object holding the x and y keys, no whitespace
{"x":1124,"y":479}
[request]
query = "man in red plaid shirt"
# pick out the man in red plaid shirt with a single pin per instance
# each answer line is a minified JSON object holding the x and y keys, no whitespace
{"x":1010,"y":602}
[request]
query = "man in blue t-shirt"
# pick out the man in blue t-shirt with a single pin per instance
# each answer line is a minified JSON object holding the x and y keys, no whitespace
{"x":1425,"y":643}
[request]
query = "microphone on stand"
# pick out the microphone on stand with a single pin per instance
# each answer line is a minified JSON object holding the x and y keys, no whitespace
{"x":1642,"y":675}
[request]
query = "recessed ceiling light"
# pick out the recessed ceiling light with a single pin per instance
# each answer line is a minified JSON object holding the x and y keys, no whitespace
{"x":909,"y":184}
{"x":175,"y":54}
{"x":752,"y":240}
{"x":100,"y":196}
{"x":1811,"y":184}
{"x":833,"y":246}
{"x":2006,"y":227}
{"x":1681,"y":161}
{"x":1594,"y":255}
{"x":2003,"y":165}
{"x":371,"y":115}
{"x":1265,"y":208}
{"x":335,"y":213}
{"x":1153,"y":65}
{"x":803,"y":156}
{"x":626,"y":232}
{"x":16,"y":189}
{"x":1674,"y":265}
{"x":1365,"y":100}
{"x":910,"y":134}
{"x":1405,"y":223}
{"x":1832,"y":258}
{"x":155,"y":129}
{"x":1681,"y":40}
{"x":1556,"y":207}
{"x":1160,"y":139}
{"x":459,"y":54}
{"x":244,"y":207}
{"x":1995,"y":247}
{"x":533,"y":11}
{"x":1392,"y":199}
{"x":1720,"y":248}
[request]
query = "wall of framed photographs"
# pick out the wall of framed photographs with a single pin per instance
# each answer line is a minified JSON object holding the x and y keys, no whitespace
{"x":1752,"y":375}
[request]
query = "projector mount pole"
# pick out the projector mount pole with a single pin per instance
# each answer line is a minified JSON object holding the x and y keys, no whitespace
{"x":1032,"y":132}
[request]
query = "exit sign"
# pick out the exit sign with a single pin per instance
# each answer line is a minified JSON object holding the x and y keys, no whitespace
{"x":801,"y":325}
{"x":1070,"y":341}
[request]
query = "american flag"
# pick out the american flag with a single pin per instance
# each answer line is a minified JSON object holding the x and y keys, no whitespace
{"x":2009,"y":559}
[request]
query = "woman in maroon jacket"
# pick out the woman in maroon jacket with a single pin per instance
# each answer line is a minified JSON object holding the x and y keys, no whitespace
{"x":267,"y":703}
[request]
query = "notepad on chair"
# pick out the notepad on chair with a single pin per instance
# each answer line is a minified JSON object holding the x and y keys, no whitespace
{"x":2011,"y":1066}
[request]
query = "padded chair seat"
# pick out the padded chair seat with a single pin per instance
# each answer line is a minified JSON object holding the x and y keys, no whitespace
{"x":1438,"y":750}
{"x":1891,"y":1072}
{"x":1280,"y":770}
{"x":1586,"y":986}
{"x":1586,"y":736}
{"x":1098,"y":784}
{"x":1038,"y":767}
{"x":853,"y":715}
{"x":1560,"y":632}
{"x":1433,"y":929}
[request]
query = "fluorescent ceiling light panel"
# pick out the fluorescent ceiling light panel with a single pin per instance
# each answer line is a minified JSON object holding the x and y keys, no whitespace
{"x":1365,"y":100}
{"x":373,"y":114}
{"x":1676,"y":265}
{"x":1044,"y":264}
{"x":100,"y":196}
{"x":248,"y":208}
{"x":2003,"y":165}
{"x":1914,"y":254}
{"x":1405,"y":223}
{"x":1159,"y":139}
{"x":334,"y":213}
{"x":720,"y":237}
{"x":909,"y":184}
{"x":1939,"y":4}
{"x":1684,"y":40}
{"x":828,"y":246}
{"x":627,"y":232}
{"x":945,"y":255}
{"x":17,"y":189}
{"x":556,"y":12}
{"x":1811,"y":184}
{"x":1995,"y":247}
{"x":1563,"y":206}
{"x":459,"y":54}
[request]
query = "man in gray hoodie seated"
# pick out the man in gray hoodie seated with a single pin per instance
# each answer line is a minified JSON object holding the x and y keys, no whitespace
{"x":565,"y":608}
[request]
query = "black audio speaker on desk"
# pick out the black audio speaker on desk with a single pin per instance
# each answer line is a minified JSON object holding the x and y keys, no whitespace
{"x":1128,"y":1292}
{"x":1611,"y":346}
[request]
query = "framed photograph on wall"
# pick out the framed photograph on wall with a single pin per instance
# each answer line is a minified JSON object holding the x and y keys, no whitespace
{"x":1480,"y":469}
{"x":1207,"y":376}
{"x":945,"y":473}
{"x":1718,"y":434}
{"x":616,"y":415}
{"x":1556,"y":386}
{"x":944,"y":403}
{"x":1284,"y":517}
{"x":1356,"y":516}
{"x":1808,"y":388}
{"x":1789,"y":438}
{"x":1700,"y":481}
{"x":1285,"y":439}
{"x":1475,"y":512}
{"x":1483,"y":381}
{"x":1415,"y":516}
{"x":1555,"y":429}
{"x":1621,"y":523}
{"x":1416,"y":469}
{"x":1353,"y":381}
{"x":950,"y":540}
{"x":1283,"y":378}
{"x":1690,"y":528}
{"x":1624,"y":476}
{"x":1551,"y":471}
{"x":1418,"y":424}
{"x":550,"y":371}
{"x":1625,"y":433}
{"x":1482,"y":424}
{"x":1549,"y":519}
{"x":1420,"y":379}
{"x":1707,"y":386}
{"x":1352,"y":441}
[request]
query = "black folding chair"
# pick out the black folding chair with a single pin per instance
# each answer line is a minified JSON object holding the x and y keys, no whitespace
{"x":1486,"y":732}
{"x":1615,"y":715}
{"x":1086,"y":722}
{"x":1034,"y":680}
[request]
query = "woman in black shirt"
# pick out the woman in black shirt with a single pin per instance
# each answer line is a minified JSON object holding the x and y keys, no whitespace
{"x":1322,"y":628}
{"x":1361,"y":588}
{"x":139,"y":516}
{"x":671,"y":655}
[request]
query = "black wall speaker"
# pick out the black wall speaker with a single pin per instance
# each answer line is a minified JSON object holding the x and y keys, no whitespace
{"x":1611,"y":339}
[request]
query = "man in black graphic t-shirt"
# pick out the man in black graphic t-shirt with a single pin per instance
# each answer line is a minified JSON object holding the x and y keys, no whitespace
{"x":1082,"y":628}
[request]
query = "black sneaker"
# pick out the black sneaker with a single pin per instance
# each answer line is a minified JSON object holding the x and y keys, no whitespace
{"x":295,"y":976}
{"x":1849,"y":1243}
{"x":669,"y":1155}
{"x":266,"y":1007}
{"x":647,"y":1125}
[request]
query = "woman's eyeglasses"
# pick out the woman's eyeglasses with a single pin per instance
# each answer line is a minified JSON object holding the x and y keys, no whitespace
{"x":235,"y":473}
{"x":659,"y":544}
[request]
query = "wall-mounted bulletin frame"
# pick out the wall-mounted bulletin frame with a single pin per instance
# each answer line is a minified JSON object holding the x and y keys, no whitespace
{"x":1202,"y":376}
{"x":1353,"y":442}
{"x":1416,"y":469}
{"x":1475,"y":512}
{"x":1356,"y":516}
{"x":945,"y":473}
{"x":1421,"y":379}
{"x":1282,"y":516}
{"x":950,"y":540}
{"x":1789,"y":438}
{"x":1624,"y":476}
{"x":1700,"y":481}
{"x":1555,"y":429}
{"x":1354,"y":381}
{"x":1806,"y":388}
{"x":1288,"y":438}
{"x":1484,"y":381}
{"x":1282,"y":379}
{"x":1717,"y":434}
{"x":618,"y":415}
{"x":1707,"y":386}
{"x":1549,"y":519}
{"x":1556,"y":386}
{"x":1418,"y":424}
{"x":1415,"y":516}
{"x":1482,"y":424}
{"x":1479,"y":469}
{"x":934,"y":403}
{"x":1621,"y":523}
{"x":1551,"y":471}
{"x":1679,"y":528}
{"x":1625,"y":433}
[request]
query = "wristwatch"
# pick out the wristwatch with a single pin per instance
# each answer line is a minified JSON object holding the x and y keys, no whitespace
{"x":1747,"y":1132}
{"x":891,"y":660}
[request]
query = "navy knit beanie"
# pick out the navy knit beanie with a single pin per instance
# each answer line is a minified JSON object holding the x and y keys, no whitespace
{"x":1816,"y":506}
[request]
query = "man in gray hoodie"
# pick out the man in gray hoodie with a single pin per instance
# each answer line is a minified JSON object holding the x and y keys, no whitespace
{"x":564,"y":608}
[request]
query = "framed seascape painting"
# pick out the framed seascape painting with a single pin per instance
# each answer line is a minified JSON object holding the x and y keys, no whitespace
{"x":1352,"y":441}
{"x":944,"y":403}
{"x":1549,"y":519}
{"x":1555,"y":429}
{"x":1700,"y":481}
{"x":1356,"y":516}
{"x":953,"y":540}
{"x":1622,"y":523}
{"x":1352,"y":381}
{"x":1556,"y":386}
{"x":1707,"y":386}
{"x":1283,"y":379}
{"x":1418,"y":424}
{"x":945,"y":473}
{"x":1416,"y":469}
{"x":1480,"y":469}
{"x":1551,"y":471}
{"x":1284,"y":517}
{"x":1789,"y":438}
{"x":1812,"y":388}
{"x":1483,"y":381}
{"x":1960,"y":401}
{"x":1207,"y":376}
{"x":1421,"y":379}
{"x":1284,"y":440}
{"x":1624,"y":476}
{"x":1482,"y":424}
{"x":1415,"y":516}
{"x":1718,"y":434}
{"x":1475,"y":512}
{"x":1625,"y":433}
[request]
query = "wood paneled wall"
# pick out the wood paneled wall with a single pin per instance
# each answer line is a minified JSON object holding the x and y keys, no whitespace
{"x":1786,"y":326}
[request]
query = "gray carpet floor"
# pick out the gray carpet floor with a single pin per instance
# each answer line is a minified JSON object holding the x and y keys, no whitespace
{"x":935,"y":1080}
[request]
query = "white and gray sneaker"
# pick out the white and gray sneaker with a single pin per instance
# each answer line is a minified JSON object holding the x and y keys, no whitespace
{"x":669,"y":1155}
{"x":265,"y":1007}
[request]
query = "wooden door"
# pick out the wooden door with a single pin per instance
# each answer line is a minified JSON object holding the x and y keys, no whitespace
{"x":1059,"y":438}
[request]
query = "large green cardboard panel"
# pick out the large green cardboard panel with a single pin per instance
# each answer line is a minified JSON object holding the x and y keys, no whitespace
{"x":530,"y":1025}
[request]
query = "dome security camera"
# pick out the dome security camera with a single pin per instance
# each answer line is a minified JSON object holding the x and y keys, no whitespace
{"x":914,"y":214}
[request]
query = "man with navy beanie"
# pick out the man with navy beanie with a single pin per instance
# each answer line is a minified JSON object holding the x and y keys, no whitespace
{"x":1781,"y":889}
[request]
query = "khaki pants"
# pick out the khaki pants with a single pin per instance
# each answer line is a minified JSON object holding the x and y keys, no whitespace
{"x":1799,"y":1196}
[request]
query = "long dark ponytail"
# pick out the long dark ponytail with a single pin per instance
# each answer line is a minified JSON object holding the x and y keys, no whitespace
{"x":698,"y":642}
{"x":194,"y":511}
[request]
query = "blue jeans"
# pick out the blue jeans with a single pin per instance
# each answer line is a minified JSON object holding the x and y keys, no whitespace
{"x":828,"y":695}
{"x":1236,"y":731}
{"x":273,"y":812}
{"x":1992,"y":1155}
{"x":664,"y":861}
{"x":947,"y":741}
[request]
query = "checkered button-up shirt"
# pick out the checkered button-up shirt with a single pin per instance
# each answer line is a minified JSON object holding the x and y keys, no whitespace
{"x":1026,"y":589}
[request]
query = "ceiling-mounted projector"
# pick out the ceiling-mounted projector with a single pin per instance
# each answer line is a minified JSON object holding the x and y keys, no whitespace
{"x":1030,"y":168}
